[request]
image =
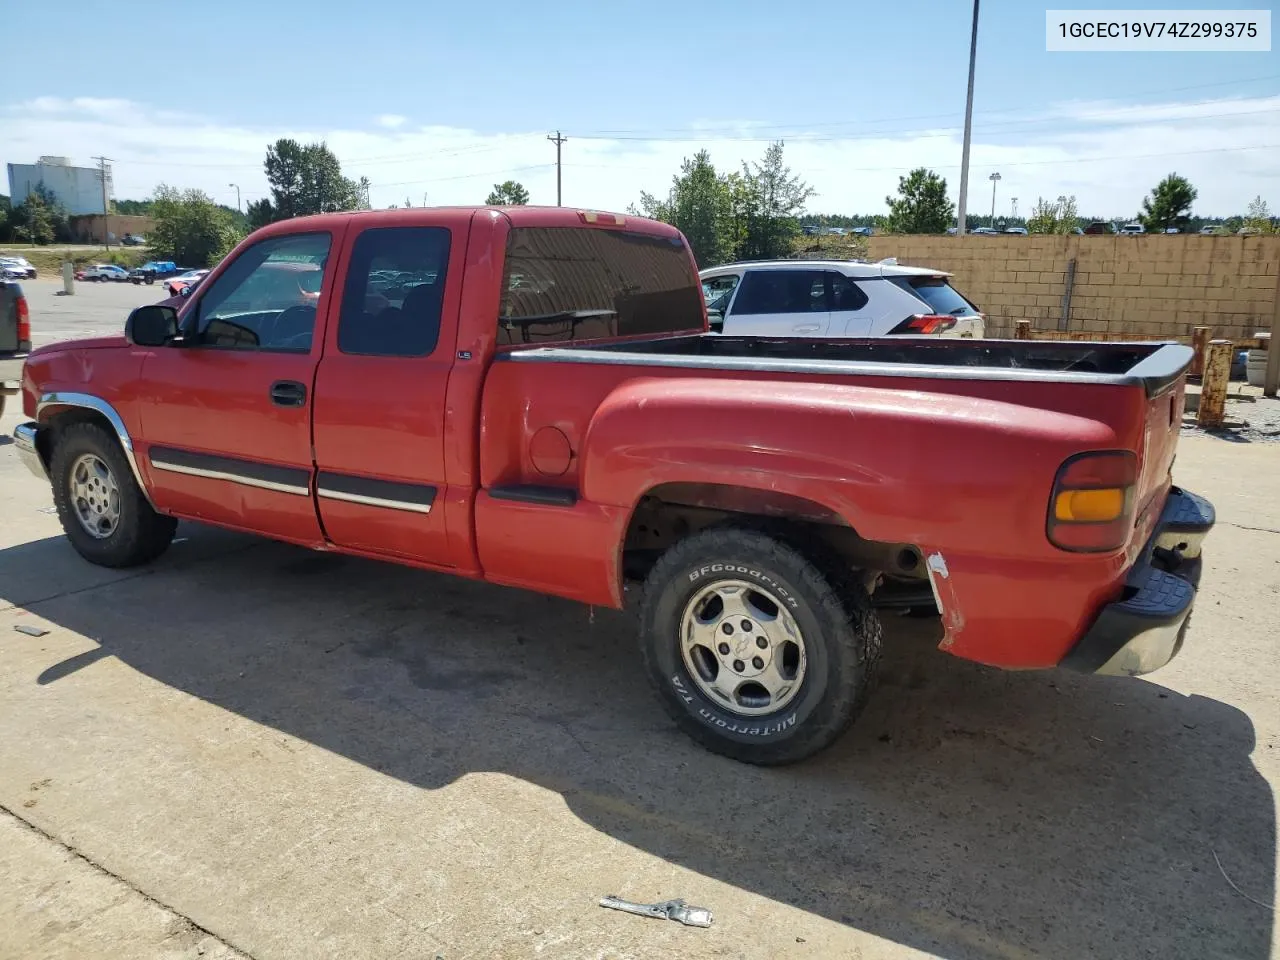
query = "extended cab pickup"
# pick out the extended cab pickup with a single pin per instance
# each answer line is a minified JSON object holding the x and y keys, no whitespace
{"x":529,"y":396}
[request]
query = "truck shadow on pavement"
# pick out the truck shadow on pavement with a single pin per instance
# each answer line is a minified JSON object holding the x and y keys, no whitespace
{"x":970,"y":812}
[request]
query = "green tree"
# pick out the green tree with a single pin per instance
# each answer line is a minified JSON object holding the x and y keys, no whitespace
{"x":133,"y":208}
{"x":190,"y":228}
{"x":1169,"y":205}
{"x":1259,"y":217}
{"x":766,"y":203}
{"x":699,"y":206}
{"x":40,"y":219}
{"x":507,"y":194}
{"x":1060,"y":217}
{"x":922,"y":205}
{"x":307,"y":179}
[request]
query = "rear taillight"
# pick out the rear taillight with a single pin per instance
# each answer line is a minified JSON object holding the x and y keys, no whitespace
{"x":1091,"y":510}
{"x":24,"y":321}
{"x":924,"y":325}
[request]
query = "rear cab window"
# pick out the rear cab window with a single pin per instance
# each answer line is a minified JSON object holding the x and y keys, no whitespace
{"x":942,"y":298}
{"x":582,"y":283}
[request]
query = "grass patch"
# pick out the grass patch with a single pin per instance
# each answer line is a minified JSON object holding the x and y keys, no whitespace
{"x":831,"y":247}
{"x":48,"y":260}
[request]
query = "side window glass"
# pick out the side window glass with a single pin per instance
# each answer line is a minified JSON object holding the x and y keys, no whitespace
{"x":718,"y":291}
{"x":394,"y":293}
{"x":781,"y":291}
{"x":845,"y":294}
{"x":266,"y":299}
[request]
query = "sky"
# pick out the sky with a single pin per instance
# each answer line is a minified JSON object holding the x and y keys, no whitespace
{"x":437,"y":102}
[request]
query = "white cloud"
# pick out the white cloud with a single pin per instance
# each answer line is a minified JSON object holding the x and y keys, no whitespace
{"x":1108,"y":154}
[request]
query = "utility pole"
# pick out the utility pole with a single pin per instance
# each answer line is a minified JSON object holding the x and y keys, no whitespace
{"x":994,"y":178}
{"x":102,"y":175}
{"x":1014,"y":208}
{"x":237,"y":186}
{"x":962,"y":213}
{"x":557,"y":140}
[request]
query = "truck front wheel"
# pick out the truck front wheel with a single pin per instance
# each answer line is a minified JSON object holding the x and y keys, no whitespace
{"x":102,"y":509}
{"x":756,"y":651}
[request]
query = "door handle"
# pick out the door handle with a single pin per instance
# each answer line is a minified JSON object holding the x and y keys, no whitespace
{"x":288,"y":393}
{"x":806,"y":328}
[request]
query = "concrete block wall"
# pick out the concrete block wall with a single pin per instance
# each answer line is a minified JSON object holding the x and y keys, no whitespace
{"x":1156,"y":286}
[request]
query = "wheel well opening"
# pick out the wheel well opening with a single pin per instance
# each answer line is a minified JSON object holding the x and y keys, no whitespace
{"x":59,"y":421}
{"x":670,"y":512}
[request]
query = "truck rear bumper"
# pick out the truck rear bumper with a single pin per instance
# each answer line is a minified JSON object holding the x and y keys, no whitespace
{"x":11,"y":371}
{"x":1144,"y":630}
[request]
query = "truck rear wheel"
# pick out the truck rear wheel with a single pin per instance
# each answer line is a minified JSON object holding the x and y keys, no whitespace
{"x":757,"y":652}
{"x":103,"y":511}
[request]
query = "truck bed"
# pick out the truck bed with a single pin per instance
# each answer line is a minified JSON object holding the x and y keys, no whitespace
{"x":1153,"y":366}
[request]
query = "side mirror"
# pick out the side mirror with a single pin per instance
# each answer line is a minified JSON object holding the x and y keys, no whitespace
{"x":186,"y":291}
{"x":154,"y":325}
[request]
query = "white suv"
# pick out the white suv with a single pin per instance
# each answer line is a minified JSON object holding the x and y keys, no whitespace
{"x":835,"y":298}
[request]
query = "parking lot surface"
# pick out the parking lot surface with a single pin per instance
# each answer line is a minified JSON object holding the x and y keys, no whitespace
{"x":94,"y":310}
{"x":249,"y":749}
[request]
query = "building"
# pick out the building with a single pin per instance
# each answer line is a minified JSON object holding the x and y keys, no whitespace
{"x":78,"y":189}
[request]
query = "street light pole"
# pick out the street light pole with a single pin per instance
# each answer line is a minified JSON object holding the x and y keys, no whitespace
{"x":237,"y":186}
{"x":968,"y":128}
{"x":994,"y":178}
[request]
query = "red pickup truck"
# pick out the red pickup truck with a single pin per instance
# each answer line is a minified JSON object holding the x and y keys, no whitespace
{"x":529,"y":396}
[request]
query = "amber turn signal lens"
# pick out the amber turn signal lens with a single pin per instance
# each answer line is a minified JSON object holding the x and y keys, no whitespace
{"x":1089,"y":506}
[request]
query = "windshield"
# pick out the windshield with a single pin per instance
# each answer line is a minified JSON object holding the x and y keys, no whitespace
{"x":942,"y":298}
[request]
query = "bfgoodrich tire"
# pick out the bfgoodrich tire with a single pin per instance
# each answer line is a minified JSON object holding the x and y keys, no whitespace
{"x":756,"y":651}
{"x":102,"y":509}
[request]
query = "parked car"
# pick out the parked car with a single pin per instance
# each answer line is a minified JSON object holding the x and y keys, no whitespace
{"x":102,"y":272}
{"x":11,"y":271}
{"x":584,"y":431}
{"x":863,"y":231}
{"x":153,"y":270}
{"x":1208,"y":230}
{"x":1132,"y":229}
{"x":130,"y":240}
{"x":1097,"y":227}
{"x":21,"y":265}
{"x":835,"y":298}
{"x":15,"y":338}
{"x":1171,"y":230}
{"x":985,"y":231}
{"x":1020,"y":231}
{"x":176,"y":285}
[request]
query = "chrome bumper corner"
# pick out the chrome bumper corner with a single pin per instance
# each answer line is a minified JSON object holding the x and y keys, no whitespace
{"x":24,"y":440}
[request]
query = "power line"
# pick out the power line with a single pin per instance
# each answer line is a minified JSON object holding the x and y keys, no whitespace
{"x":882,"y":134}
{"x":953,"y":166}
{"x":600,"y":134}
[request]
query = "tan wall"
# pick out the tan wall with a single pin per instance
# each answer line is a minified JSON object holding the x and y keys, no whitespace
{"x":88,"y":228}
{"x":1158,"y":286}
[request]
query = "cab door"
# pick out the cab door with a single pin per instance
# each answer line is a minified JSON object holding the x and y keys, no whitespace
{"x":225,"y":415}
{"x":379,"y":413}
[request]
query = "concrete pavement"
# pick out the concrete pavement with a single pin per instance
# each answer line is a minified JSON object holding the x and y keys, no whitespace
{"x":302,"y":755}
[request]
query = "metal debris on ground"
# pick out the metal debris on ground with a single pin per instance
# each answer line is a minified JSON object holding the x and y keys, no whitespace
{"x":30,"y":631}
{"x":676,"y":910}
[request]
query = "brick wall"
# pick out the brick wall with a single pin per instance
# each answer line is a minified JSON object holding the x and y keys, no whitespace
{"x":1158,"y":286}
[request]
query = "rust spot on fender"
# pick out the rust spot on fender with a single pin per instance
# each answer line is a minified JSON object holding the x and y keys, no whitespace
{"x":944,"y":595}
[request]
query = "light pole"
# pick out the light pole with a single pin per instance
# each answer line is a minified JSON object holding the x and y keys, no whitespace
{"x":237,"y":186}
{"x":994,"y":178}
{"x":968,"y":127}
